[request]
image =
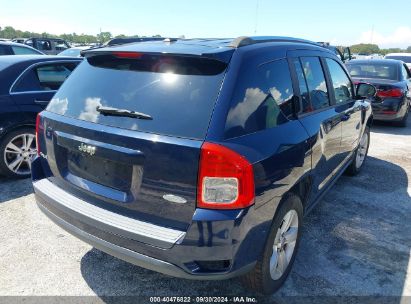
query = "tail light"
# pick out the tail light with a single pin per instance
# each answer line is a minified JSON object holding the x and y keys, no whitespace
{"x":39,"y":128}
{"x":226,"y":179}
{"x":390,"y":93}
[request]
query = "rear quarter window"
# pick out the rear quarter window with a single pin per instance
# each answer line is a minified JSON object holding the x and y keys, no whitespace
{"x":44,"y":77}
{"x":263,"y":98}
{"x":51,"y":77}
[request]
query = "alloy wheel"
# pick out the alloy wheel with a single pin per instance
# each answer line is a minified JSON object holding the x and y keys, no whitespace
{"x":362,"y":150}
{"x":19,"y":152}
{"x":284,"y":244}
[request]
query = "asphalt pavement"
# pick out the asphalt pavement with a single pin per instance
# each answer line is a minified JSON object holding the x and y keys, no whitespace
{"x":356,"y":242}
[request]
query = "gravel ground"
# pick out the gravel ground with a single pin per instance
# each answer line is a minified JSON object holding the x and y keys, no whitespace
{"x":356,"y":242}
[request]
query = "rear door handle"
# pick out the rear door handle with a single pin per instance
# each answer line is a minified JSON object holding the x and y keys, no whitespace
{"x":42,"y":102}
{"x":345,"y":117}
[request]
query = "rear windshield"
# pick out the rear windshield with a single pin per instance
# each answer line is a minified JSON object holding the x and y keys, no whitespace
{"x":178,"y":92}
{"x":406,"y":59}
{"x":374,"y":70}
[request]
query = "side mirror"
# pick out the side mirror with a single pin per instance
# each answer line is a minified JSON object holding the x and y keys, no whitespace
{"x":365,"y":90}
{"x":347,"y":54}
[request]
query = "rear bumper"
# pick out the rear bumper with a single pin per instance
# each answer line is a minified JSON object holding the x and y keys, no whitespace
{"x":388,"y":117}
{"x":392,"y":109}
{"x":231,"y":238}
{"x":138,"y":258}
{"x":105,"y":220}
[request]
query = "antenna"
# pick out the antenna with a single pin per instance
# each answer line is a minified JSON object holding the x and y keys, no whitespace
{"x":256,"y":17}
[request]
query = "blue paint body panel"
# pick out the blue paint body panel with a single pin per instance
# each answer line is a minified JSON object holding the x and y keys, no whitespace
{"x":131,"y":171}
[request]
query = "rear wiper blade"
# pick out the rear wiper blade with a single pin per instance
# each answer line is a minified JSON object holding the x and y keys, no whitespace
{"x":122,"y":112}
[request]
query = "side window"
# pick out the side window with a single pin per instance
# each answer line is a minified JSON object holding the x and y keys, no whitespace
{"x":317,"y":86}
{"x":43,"y":45}
{"x":341,"y":83}
{"x":5,"y":50}
{"x":280,"y":87}
{"x":59,"y":45}
{"x":18,"y":50}
{"x":405,"y":74}
{"x":52,"y":76}
{"x":305,"y":98}
{"x":262,"y":99}
{"x":44,"y":77}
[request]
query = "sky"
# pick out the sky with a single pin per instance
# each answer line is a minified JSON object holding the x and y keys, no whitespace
{"x":386,"y":23}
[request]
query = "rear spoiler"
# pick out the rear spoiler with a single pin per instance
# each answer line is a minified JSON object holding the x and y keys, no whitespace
{"x":120,"y":41}
{"x":105,"y":51}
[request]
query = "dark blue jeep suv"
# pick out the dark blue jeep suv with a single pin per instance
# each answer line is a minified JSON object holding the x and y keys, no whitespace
{"x":198,"y":158}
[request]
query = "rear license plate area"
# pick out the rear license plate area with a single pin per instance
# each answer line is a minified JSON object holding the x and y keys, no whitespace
{"x":100,"y":170}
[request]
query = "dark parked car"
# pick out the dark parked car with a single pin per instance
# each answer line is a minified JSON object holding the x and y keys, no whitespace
{"x":27,"y":85}
{"x":406,"y":57}
{"x":345,"y":55}
{"x":49,"y":46}
{"x":199,"y":158}
{"x":19,"y":40}
{"x":392,"y":78}
{"x":11,"y":48}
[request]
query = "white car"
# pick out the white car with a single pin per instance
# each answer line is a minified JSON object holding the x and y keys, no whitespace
{"x":406,"y":57}
{"x":74,"y":51}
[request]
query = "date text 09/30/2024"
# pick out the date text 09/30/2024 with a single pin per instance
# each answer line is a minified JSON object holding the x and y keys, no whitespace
{"x":198,"y":299}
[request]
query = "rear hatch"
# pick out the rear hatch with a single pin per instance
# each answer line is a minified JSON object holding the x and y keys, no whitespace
{"x":125,"y":130}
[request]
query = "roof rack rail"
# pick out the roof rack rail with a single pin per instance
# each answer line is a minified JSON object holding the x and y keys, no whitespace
{"x":245,"y":40}
{"x":119,"y":41}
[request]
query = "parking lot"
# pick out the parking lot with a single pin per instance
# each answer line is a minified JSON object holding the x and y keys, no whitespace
{"x":356,"y":241}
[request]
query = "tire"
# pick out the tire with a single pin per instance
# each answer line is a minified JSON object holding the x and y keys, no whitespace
{"x":260,"y":279}
{"x":356,"y":165}
{"x":17,"y":154}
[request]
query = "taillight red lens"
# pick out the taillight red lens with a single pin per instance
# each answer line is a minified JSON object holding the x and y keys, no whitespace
{"x":390,"y":93}
{"x":225,"y":180}
{"x":128,"y":55}
{"x":39,"y":128}
{"x":389,"y":112}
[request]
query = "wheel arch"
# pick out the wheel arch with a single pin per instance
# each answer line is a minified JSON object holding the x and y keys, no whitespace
{"x":302,"y":189}
{"x":7,"y":130}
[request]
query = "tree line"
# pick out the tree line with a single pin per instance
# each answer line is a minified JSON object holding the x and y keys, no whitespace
{"x":8,"y":32}
{"x":368,"y":49}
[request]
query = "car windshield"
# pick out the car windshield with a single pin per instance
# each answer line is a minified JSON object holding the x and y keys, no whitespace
{"x":177,"y":92}
{"x":406,"y":59}
{"x":373,"y":70}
